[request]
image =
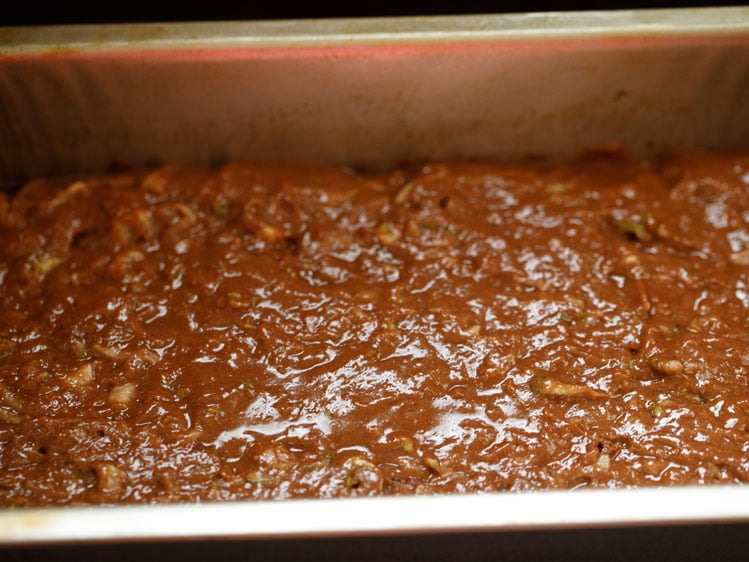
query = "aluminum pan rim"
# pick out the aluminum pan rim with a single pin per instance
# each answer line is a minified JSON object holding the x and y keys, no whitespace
{"x":505,"y":511}
{"x":57,"y":40}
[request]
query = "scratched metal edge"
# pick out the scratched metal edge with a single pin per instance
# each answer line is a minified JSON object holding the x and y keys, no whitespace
{"x":401,"y":515}
{"x":26,"y":41}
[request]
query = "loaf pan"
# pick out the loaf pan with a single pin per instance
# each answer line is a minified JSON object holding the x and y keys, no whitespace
{"x":371,"y":93}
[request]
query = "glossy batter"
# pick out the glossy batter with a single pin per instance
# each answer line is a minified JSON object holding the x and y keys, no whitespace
{"x":277,"y":331}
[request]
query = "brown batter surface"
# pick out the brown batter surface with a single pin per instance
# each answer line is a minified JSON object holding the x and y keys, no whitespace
{"x":276,"y":331}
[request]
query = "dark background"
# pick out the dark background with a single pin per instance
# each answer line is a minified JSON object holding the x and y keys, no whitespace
{"x":702,"y":543}
{"x":26,"y":12}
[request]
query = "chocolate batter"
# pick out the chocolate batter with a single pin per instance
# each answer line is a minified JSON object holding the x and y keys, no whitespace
{"x":277,"y":331}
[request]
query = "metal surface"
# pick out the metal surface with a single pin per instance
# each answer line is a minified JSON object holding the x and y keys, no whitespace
{"x":382,"y":515}
{"x":370,"y":93}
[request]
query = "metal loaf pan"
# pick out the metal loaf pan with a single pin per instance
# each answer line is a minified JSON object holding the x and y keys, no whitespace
{"x":371,"y":93}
